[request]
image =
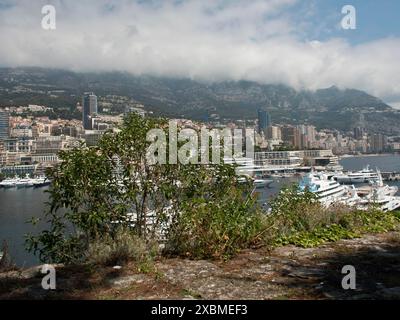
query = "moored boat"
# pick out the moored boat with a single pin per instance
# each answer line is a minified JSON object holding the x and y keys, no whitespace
{"x":327,"y":190}
{"x":24,"y":182}
{"x":41,"y":182}
{"x":8,"y":183}
{"x":365,"y":175}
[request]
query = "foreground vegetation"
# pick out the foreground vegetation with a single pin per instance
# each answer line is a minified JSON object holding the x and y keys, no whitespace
{"x":111,"y":193}
{"x":108,"y":205}
{"x":301,"y":220}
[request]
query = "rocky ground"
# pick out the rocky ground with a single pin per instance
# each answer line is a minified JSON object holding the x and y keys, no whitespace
{"x":284,"y":273}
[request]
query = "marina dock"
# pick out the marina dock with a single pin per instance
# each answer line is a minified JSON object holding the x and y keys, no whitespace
{"x":391,"y":176}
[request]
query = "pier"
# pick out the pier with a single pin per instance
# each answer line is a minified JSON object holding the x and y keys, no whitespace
{"x":391,"y":176}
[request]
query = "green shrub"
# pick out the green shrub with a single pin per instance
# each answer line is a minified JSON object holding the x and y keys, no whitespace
{"x":124,"y":247}
{"x":217,"y":222}
{"x":317,"y":237}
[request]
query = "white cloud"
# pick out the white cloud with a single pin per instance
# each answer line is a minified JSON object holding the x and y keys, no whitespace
{"x":208,"y":40}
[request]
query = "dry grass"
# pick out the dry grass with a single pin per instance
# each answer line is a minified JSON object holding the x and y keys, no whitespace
{"x":120,"y":249}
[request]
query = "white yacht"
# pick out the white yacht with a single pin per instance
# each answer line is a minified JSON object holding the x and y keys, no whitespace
{"x":363,"y":176}
{"x":152,"y":221}
{"x":8,"y":183}
{"x":24,"y":182}
{"x":40,"y":182}
{"x":330,"y":191}
{"x":378,"y":197}
{"x":244,"y":166}
{"x":377,"y":185}
{"x":378,"y":194}
{"x":385,"y":189}
{"x":325,"y":187}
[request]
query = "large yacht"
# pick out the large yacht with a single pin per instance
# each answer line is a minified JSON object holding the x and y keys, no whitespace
{"x":24,"y":182}
{"x":385,"y":189}
{"x":8,"y":183}
{"x":363,"y":176}
{"x":379,"y":198}
{"x":41,"y":181}
{"x":325,"y":187}
{"x":330,"y":191}
{"x":378,"y":194}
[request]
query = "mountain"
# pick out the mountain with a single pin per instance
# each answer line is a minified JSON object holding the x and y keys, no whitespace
{"x":325,"y":108}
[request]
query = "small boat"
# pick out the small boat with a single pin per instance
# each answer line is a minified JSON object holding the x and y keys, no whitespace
{"x":40,"y":182}
{"x":260,"y":183}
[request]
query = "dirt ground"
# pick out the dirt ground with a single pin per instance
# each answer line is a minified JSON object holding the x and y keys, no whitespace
{"x":284,"y":273}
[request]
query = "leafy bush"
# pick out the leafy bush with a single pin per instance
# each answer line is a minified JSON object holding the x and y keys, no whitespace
{"x":292,"y":211}
{"x":214,"y":222}
{"x":317,"y":237}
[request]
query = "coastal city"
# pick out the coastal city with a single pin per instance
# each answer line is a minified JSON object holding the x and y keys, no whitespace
{"x":30,"y":142}
{"x":179,"y":153}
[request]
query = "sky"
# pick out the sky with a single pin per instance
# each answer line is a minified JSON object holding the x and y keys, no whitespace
{"x":300,"y":43}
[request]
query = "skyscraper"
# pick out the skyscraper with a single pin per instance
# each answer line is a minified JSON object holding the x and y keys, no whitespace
{"x":291,"y":135}
{"x":264,"y":120}
{"x":89,"y":110}
{"x":378,"y":142}
{"x":4,"y":124}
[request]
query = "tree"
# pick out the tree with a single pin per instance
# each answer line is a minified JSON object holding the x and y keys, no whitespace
{"x":114,"y":183}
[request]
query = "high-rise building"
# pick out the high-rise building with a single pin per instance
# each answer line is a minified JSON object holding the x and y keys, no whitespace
{"x":274,"y":133}
{"x":306,"y":136}
{"x":291,"y":135}
{"x":4,"y":125}
{"x":89,"y":110}
{"x":358,"y":133}
{"x":378,"y":143}
{"x":264,"y":120}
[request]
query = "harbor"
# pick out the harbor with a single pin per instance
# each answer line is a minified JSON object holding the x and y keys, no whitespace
{"x":18,"y":205}
{"x":26,"y":182}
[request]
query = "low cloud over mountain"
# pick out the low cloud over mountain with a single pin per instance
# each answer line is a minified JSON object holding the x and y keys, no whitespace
{"x":267,"y":41}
